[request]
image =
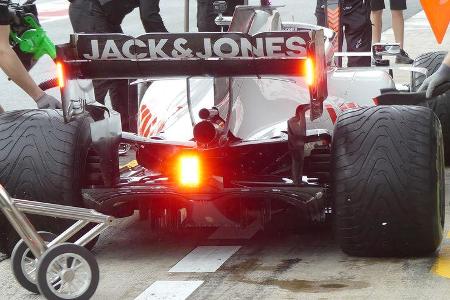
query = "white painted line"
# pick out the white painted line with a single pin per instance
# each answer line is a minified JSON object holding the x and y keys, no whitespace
{"x":170,"y":290}
{"x":236,"y":233}
{"x":52,"y":6}
{"x":204,"y":259}
{"x":53,"y":19}
{"x":53,"y":11}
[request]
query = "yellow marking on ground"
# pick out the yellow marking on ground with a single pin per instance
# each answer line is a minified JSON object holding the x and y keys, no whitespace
{"x":442,"y":265}
{"x":132,"y":164}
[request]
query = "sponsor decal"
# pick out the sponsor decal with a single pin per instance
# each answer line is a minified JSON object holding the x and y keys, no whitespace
{"x":201,"y":46}
{"x":332,"y":113}
{"x":149,"y":124}
{"x":348,"y":105}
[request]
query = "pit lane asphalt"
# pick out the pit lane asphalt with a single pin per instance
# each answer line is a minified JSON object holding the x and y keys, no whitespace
{"x":278,"y":263}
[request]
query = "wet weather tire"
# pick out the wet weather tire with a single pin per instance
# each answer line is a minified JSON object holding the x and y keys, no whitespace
{"x":430,"y":61}
{"x":41,"y":159}
{"x":440,"y":105}
{"x":388,"y":181}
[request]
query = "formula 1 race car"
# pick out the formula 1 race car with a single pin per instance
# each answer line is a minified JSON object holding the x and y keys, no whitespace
{"x":234,"y":127}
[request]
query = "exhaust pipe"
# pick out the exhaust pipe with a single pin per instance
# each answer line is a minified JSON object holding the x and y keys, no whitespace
{"x":211,"y":128}
{"x":207,"y":132}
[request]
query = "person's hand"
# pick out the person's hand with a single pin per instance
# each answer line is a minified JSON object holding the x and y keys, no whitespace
{"x":440,"y":76}
{"x":47,"y":101}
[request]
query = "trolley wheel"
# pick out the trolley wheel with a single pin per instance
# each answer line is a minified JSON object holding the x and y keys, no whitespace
{"x":67,"y":271}
{"x":24,"y":264}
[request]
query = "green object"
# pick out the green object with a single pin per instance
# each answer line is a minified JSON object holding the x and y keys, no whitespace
{"x":34,"y":40}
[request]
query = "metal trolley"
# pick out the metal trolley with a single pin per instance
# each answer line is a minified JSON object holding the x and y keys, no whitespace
{"x":45,"y":263}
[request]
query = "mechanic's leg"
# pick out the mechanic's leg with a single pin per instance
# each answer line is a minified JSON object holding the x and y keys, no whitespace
{"x":133,"y":107}
{"x":377,"y":21}
{"x":118,"y":93}
{"x":87,"y":16}
{"x":376,"y":17}
{"x":398,"y":24}
{"x":151,"y":19}
{"x":359,"y":41}
{"x":101,"y":88}
{"x":358,"y":33}
{"x":320,"y":13}
{"x":206,"y":16}
{"x":1,"y":110}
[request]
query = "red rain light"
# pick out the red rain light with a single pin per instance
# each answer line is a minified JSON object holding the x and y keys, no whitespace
{"x":189,"y":170}
{"x":60,"y":74}
{"x":310,"y":74}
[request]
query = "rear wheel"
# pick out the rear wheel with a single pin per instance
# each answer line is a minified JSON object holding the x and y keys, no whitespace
{"x":430,"y":61}
{"x":440,"y":105}
{"x":42,"y":159}
{"x":388,"y":181}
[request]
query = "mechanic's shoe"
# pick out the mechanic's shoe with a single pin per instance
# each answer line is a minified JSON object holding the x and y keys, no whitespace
{"x":377,"y":60}
{"x":403,"y":58}
{"x":124,"y":148}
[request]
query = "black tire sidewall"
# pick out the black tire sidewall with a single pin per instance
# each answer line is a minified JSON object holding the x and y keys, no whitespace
{"x":67,"y":142}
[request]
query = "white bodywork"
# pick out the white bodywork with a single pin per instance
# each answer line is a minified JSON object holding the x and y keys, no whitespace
{"x":261,"y":106}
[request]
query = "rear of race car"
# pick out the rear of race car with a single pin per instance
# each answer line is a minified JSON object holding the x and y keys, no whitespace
{"x":245,"y":127}
{"x":219,"y":141}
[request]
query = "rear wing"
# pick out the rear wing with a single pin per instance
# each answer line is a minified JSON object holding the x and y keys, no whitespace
{"x":118,"y":56}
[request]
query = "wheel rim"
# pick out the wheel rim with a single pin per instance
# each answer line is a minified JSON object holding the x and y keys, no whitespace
{"x":29,"y":265}
{"x":69,"y":275}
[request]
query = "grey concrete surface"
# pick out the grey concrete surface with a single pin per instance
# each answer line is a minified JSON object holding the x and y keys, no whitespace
{"x":274,"y":264}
